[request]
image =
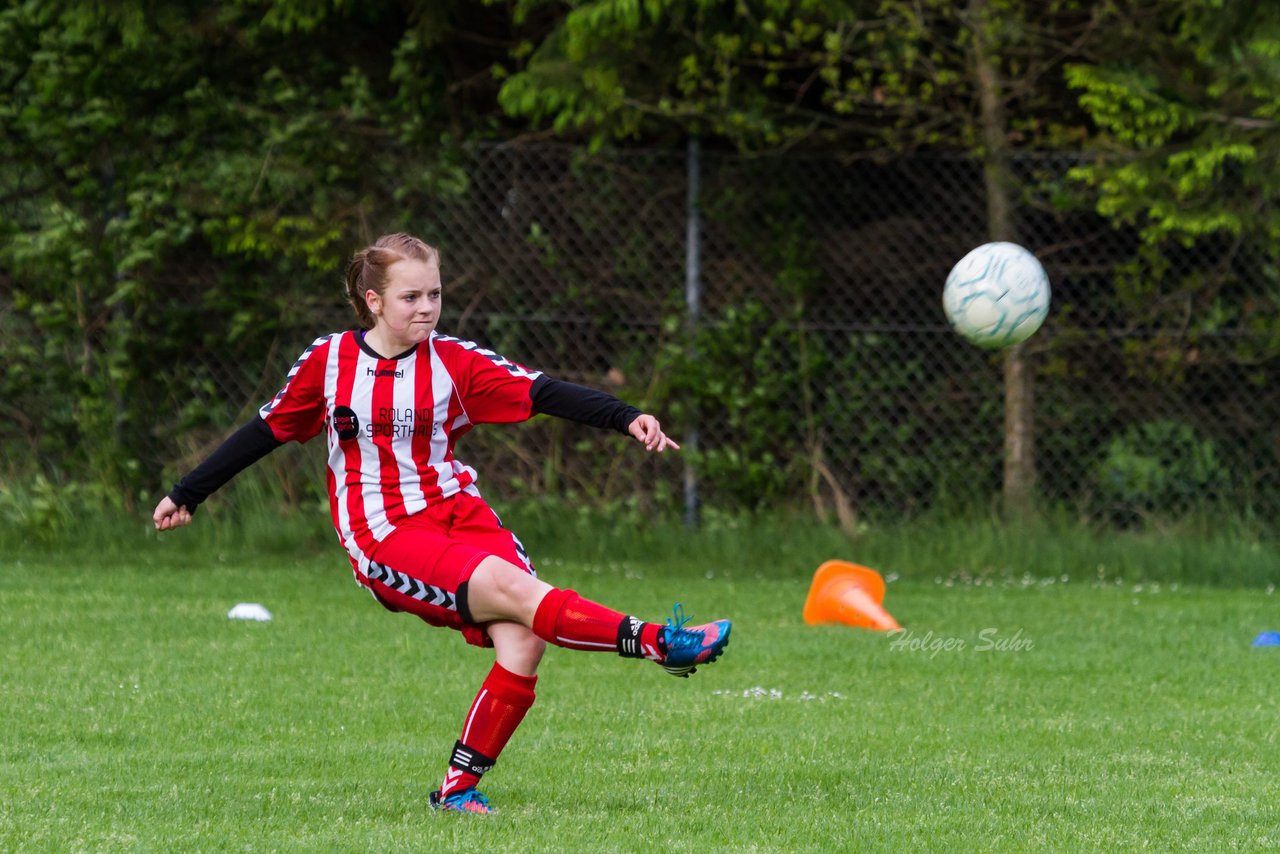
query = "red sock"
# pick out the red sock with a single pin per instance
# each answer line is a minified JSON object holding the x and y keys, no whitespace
{"x":566,"y":619}
{"x":497,"y":711}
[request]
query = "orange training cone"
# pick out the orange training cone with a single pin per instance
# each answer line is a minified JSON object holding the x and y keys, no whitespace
{"x":846,"y":593}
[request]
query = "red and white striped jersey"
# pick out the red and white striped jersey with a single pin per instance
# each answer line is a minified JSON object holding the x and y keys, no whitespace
{"x":391,"y":424}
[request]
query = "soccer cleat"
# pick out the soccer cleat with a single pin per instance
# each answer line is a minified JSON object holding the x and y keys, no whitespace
{"x":464,"y":800}
{"x":687,"y":648}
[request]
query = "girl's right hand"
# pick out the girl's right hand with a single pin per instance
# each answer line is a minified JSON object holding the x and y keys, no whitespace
{"x":169,"y":515}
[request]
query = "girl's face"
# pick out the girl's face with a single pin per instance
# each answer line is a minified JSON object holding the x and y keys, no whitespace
{"x":408,"y":309}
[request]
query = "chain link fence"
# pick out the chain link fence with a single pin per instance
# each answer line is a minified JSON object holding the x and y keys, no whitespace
{"x":819,"y":370}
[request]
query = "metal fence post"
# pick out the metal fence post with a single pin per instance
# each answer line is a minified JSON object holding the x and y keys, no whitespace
{"x":693,"y":299}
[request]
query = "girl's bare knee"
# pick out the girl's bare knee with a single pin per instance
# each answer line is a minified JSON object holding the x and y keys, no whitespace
{"x":518,"y":649}
{"x":499,"y":590}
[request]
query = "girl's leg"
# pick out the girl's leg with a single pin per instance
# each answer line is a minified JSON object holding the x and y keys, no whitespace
{"x":499,"y":707}
{"x":517,"y":648}
{"x":522,"y":613}
{"x":499,"y":590}
{"x":499,"y":587}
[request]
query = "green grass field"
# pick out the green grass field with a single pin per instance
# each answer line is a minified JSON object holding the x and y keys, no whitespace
{"x":1021,"y":712}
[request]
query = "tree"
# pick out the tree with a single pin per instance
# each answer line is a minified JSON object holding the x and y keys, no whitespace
{"x":983,"y":78}
{"x":167,"y":163}
{"x":1188,"y":154}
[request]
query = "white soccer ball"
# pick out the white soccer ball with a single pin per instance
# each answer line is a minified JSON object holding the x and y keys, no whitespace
{"x":997,"y":295}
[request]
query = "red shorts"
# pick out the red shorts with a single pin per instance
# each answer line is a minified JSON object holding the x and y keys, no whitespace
{"x":424,"y":566}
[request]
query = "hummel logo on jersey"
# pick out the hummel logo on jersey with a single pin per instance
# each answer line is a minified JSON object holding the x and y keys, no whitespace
{"x":384,"y":372}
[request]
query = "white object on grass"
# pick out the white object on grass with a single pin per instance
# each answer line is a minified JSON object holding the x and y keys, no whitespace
{"x":249,"y":611}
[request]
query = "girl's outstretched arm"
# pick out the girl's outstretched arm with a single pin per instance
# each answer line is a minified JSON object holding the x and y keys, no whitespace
{"x":246,"y":446}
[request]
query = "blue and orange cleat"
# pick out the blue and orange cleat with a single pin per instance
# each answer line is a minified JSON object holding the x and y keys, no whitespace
{"x":687,"y":648}
{"x":464,"y":800}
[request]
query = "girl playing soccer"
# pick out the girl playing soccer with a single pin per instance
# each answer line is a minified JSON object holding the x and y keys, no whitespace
{"x":392,"y":398}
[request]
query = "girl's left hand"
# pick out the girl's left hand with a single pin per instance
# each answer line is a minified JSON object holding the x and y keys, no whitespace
{"x":168,"y":515}
{"x":647,"y":430}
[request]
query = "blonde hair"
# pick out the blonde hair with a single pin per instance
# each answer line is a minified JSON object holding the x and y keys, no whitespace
{"x":368,"y":269}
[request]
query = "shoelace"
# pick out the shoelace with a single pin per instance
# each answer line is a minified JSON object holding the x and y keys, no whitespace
{"x":677,"y":636}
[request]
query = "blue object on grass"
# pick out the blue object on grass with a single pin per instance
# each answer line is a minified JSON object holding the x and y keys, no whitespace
{"x":1267,"y":639}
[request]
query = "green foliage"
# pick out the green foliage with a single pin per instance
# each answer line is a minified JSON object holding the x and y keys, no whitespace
{"x":43,"y":513}
{"x":1187,"y":155}
{"x":769,"y":75}
{"x":1160,"y":468}
{"x":189,"y":177}
{"x":789,"y":410}
{"x":616,"y":70}
{"x":1188,"y":138}
{"x":742,"y":371}
{"x":180,"y":183}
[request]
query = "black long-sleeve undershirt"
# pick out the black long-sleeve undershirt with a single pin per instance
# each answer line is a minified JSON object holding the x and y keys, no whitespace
{"x":255,"y":440}
{"x":241,"y":449}
{"x":575,"y":402}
